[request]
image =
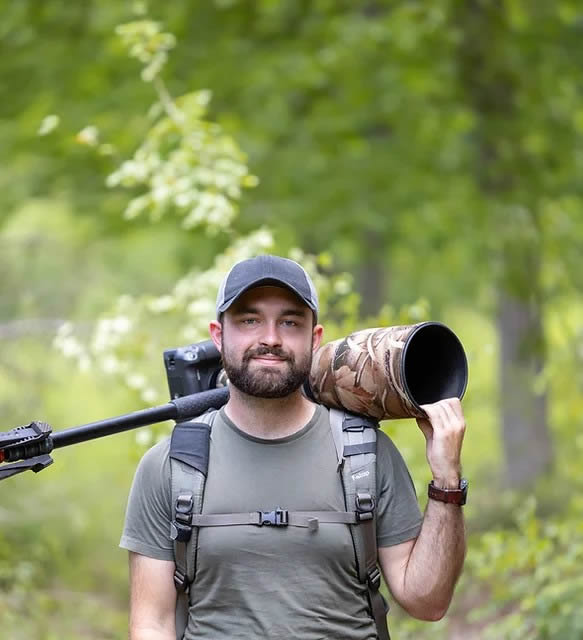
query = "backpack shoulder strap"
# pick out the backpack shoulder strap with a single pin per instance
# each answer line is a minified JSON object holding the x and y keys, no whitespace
{"x":189,"y":457}
{"x":358,"y":469}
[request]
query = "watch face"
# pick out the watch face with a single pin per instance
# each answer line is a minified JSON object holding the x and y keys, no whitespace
{"x":464,"y":487}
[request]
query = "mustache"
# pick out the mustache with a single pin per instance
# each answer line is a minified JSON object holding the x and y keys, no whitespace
{"x":266,"y":351}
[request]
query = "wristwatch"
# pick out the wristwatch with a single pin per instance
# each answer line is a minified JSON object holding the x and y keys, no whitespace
{"x":453,"y":496}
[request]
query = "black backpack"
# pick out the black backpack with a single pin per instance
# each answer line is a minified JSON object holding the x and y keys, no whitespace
{"x":355,"y":440}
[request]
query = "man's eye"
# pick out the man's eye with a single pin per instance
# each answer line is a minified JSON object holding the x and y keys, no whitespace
{"x":249,"y":320}
{"x":289,"y":323}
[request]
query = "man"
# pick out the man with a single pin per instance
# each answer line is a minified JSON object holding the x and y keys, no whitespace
{"x":271,"y":447}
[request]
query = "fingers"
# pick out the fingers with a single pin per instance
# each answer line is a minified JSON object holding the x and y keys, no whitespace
{"x":446,"y":413}
{"x":444,"y":431}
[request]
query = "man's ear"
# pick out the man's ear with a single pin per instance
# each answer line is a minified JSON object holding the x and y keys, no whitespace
{"x":317,"y":333}
{"x":216,"y":333}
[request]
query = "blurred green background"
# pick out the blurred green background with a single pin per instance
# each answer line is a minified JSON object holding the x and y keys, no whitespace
{"x":424,"y":160}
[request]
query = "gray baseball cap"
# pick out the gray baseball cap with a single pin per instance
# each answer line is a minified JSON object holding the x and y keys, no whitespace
{"x":263,"y":271}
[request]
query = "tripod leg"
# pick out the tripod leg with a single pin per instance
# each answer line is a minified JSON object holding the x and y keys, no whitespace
{"x":34,"y":464}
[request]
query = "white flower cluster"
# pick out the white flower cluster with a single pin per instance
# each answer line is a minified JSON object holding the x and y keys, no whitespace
{"x":128,"y":341}
{"x":48,"y":124}
{"x":146,"y":42}
{"x":188,"y":165}
{"x":71,"y":347}
{"x":111,"y":331}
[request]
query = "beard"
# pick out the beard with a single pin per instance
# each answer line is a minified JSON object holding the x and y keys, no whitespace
{"x":266,"y":382}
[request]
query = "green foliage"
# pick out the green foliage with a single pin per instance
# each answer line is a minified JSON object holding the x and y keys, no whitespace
{"x":61,"y":575}
{"x":532,"y":574}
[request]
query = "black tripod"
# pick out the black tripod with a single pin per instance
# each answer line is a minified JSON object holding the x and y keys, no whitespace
{"x":194,"y":376}
{"x":31,"y":445}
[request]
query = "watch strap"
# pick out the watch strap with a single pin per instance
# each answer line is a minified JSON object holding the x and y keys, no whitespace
{"x":451,"y":496}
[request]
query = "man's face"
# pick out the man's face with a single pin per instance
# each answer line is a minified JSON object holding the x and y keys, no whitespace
{"x":267,"y":339}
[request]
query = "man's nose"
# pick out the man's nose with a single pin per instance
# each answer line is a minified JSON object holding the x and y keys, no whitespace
{"x":270,"y":335}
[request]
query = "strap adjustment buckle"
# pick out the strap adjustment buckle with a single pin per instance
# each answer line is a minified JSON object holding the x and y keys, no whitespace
{"x":180,"y":581}
{"x":278,"y":518}
{"x":365,"y":505}
{"x":184,"y":505}
{"x":181,"y":526}
{"x":180,"y":532}
{"x":373,"y":579}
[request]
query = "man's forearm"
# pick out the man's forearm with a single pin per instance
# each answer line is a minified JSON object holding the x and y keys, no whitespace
{"x":436,"y":561}
{"x":148,"y":633}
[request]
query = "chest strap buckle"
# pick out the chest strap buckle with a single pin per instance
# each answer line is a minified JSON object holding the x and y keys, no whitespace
{"x":278,"y":518}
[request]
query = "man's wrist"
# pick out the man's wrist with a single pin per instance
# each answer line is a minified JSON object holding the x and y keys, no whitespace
{"x":450,"y":481}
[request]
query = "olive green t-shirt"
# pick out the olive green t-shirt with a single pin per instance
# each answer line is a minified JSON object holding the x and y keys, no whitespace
{"x":272,"y":582}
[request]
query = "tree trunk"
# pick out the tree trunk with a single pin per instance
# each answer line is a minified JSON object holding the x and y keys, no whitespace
{"x":492,"y":86}
{"x":527,"y":444}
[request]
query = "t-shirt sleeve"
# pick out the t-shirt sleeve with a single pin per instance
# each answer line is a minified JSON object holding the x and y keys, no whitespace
{"x":149,"y":511}
{"x":398,"y":514}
